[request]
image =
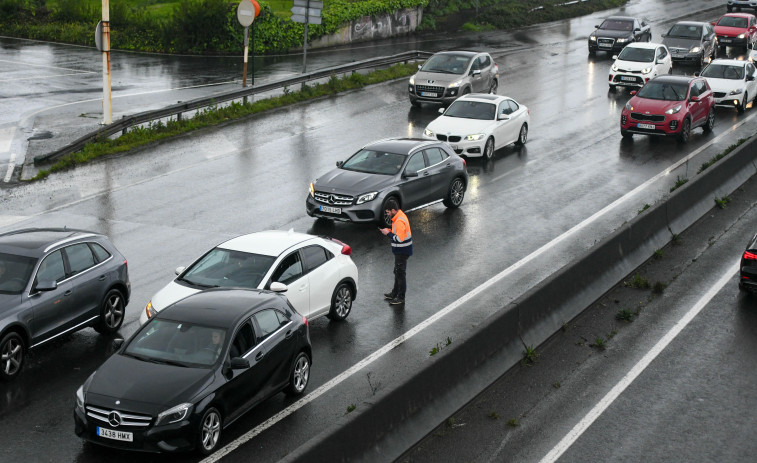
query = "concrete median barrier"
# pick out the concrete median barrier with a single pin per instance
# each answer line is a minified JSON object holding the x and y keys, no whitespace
{"x":397,"y":419}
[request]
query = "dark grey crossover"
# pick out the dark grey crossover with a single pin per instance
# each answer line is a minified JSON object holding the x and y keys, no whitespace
{"x":193,"y":369}
{"x":54,"y":281}
{"x":449,"y":74}
{"x":390,"y":174}
{"x":692,"y":42}
{"x":616,"y":32}
{"x":748,"y":270}
{"x":738,"y":5}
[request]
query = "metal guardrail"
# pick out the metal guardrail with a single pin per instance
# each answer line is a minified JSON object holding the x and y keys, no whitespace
{"x":193,"y":105}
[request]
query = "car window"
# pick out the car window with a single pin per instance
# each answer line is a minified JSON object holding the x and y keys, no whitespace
{"x":101,"y":254}
{"x":661,"y":53}
{"x":617,"y":25}
{"x":476,"y":65}
{"x":374,"y":162}
{"x":471,"y":110}
{"x":664,"y":91}
{"x":750,"y":69}
{"x":684,"y":31}
{"x":243,"y":341}
{"x":314,"y":256}
{"x":513,"y":106}
{"x":269,"y":320}
{"x":485,"y":61}
{"x":416,"y":163}
{"x":51,"y":268}
{"x":731,"y":21}
{"x":434,"y":155}
{"x":447,"y":63}
{"x":639,"y":55}
{"x":15,"y":272}
{"x":183,"y":343}
{"x":80,"y":258}
{"x":228,"y":268}
{"x":289,"y":269}
{"x":694,"y":90}
{"x":723,"y":71}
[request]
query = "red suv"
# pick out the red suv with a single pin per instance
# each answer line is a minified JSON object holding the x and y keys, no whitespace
{"x":669,"y":105}
{"x":736,"y":30}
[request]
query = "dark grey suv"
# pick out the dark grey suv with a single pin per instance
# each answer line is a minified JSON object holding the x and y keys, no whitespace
{"x":396,"y":173}
{"x":55,"y":281}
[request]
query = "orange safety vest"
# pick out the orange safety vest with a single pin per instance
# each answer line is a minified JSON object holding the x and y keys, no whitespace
{"x":402,"y":241}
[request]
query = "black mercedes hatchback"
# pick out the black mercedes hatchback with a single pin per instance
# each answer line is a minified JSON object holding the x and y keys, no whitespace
{"x":748,"y":270}
{"x":193,"y":369}
{"x":54,"y":281}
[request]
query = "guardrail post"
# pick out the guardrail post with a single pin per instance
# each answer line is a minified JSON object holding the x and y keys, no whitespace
{"x":123,"y":132}
{"x":178,"y":117}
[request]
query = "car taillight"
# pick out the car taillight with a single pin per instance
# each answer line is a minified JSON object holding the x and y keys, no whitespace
{"x":305,"y":320}
{"x":126,"y":263}
{"x":750,"y":255}
{"x":346,"y":250}
{"x":465,"y":164}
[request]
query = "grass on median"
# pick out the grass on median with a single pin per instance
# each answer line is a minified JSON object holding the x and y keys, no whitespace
{"x":141,"y":136}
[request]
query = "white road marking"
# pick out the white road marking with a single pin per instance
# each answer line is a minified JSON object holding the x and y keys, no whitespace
{"x":11,"y":166}
{"x":637,"y":369}
{"x":6,"y":138}
{"x":49,"y":76}
{"x":40,"y":65}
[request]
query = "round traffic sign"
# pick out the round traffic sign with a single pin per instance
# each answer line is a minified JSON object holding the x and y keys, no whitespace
{"x":247,"y":11}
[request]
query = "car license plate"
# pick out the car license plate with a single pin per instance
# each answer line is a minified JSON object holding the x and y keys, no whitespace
{"x":115,"y":435}
{"x":429,"y":94}
{"x":331,"y":210}
{"x":646,"y":126}
{"x":629,"y":78}
{"x":725,"y":40}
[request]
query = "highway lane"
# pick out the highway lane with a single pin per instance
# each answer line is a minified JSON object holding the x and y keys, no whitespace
{"x":166,"y":204}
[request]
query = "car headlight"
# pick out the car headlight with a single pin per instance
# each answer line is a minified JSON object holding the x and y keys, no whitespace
{"x":646,"y":70}
{"x":455,"y":84}
{"x":412,"y":80}
{"x":593,"y":38}
{"x":629,"y":107}
{"x":741,"y":36}
{"x":623,"y":40}
{"x":615,"y":67}
{"x":172,"y":415}
{"x":150,"y":310}
{"x":474,"y":137}
{"x":366,"y":197}
{"x":428,"y":133}
{"x":673,"y":110}
{"x":695,"y":50}
{"x":312,"y":190}
{"x":736,"y":91}
{"x":80,"y":399}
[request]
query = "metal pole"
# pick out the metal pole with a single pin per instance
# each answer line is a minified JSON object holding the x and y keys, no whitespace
{"x":107,"y":110}
{"x":246,"y":43}
{"x":305,"y":48}
{"x":252,"y":75}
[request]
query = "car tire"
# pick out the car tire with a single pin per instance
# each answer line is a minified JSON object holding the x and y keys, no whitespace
{"x":415,"y":103}
{"x":456,"y":194}
{"x":488,"y":148}
{"x":613,"y":87}
{"x":466,"y":91}
{"x":592,"y":52}
{"x":209,"y":432}
{"x":683,"y":137}
{"x":742,"y":107}
{"x":390,"y":202}
{"x":710,"y":124}
{"x":12,"y":350}
{"x":112,"y":312}
{"x":522,"y":135}
{"x":494,"y":87}
{"x":299,"y":376}
{"x":626,"y":134}
{"x":341,"y":302}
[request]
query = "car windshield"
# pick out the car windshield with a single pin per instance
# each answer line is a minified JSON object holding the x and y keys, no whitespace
{"x":641,"y":55}
{"x":724,"y":71}
{"x":15,"y":272}
{"x":375,"y":162}
{"x":447,"y":63}
{"x":683,"y":31}
{"x":471,"y":110}
{"x":177,"y":343}
{"x":730,"y":21}
{"x":221,"y":268}
{"x":616,"y":25}
{"x":664,"y":91}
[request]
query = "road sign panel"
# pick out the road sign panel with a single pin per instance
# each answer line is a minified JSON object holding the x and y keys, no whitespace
{"x":316,"y":5}
{"x":298,"y":18}
{"x":303,"y":11}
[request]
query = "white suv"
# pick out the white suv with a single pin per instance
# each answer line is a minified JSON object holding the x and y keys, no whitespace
{"x":639,"y":62}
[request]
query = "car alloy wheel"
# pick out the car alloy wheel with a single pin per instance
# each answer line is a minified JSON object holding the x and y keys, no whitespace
{"x":489,"y":148}
{"x":298,"y":379}
{"x":683,"y":137}
{"x":341,"y":302}
{"x":523,"y":135}
{"x":210,"y":431}
{"x":742,"y":107}
{"x":493,"y":88}
{"x":456,"y":193}
{"x":710,"y":124}
{"x":11,"y":355}
{"x":111,"y":313}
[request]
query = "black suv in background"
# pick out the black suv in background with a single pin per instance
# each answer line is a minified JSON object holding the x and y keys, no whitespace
{"x":55,"y":281}
{"x":748,"y":270}
{"x":739,"y":5}
{"x":616,"y":32}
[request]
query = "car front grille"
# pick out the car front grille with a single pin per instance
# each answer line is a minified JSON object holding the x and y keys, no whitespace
{"x":333,"y":199}
{"x":451,"y":138}
{"x":429,"y":89}
{"x":718,"y":94}
{"x":648,"y":117}
{"x":125,"y":419}
{"x":605,"y":43}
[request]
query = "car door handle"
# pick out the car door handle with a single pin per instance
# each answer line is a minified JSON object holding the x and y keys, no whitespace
{"x":259,"y":355}
{"x":289,"y":334}
{"x":67,"y":293}
{"x":425,"y":174}
{"x":102,"y":277}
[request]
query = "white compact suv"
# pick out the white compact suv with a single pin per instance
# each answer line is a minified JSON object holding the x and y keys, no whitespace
{"x":639,"y":62}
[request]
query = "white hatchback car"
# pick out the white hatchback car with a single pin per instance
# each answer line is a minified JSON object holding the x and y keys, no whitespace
{"x":479,"y":124}
{"x":733,"y":82}
{"x":639,"y":62}
{"x":316,"y":273}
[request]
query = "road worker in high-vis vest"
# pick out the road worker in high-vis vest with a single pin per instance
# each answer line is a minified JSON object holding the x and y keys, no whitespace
{"x":402,"y":247}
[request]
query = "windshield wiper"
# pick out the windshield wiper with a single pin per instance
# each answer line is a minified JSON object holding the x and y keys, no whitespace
{"x":170,"y":362}
{"x":197,"y":284}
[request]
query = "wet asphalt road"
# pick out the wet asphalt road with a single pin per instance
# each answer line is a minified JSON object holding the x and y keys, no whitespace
{"x":165,"y":204}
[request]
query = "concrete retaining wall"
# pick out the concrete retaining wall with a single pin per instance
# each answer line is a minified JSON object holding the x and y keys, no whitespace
{"x":399,"y":418}
{"x":380,"y":26}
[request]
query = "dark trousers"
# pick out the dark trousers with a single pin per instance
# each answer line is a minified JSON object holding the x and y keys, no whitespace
{"x":400,"y":273}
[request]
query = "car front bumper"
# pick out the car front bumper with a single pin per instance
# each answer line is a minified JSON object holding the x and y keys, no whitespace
{"x":473,"y":148}
{"x":729,"y":101}
{"x":431,"y":94}
{"x":367,"y":212}
{"x":176,"y":437}
{"x":732,"y":41}
{"x":606,"y":44}
{"x":627,"y":79}
{"x":669,"y":126}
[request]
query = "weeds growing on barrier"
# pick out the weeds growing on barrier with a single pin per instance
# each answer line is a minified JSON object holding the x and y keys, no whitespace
{"x":646,"y":206}
{"x":659,"y":287}
{"x":625,"y":315}
{"x":351,"y":408}
{"x":720,"y":156}
{"x":513,"y":422}
{"x":658,"y":254}
{"x":530,"y":356}
{"x":599,"y":343}
{"x":723,"y":202}
{"x":680,"y":181}
{"x":638,"y":282}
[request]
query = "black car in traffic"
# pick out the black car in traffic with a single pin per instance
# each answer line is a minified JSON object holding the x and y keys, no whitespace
{"x":616,"y":32}
{"x":193,"y":369}
{"x":748,"y":268}
{"x":55,"y":281}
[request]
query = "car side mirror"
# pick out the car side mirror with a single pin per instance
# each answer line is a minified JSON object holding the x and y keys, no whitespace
{"x":117,"y":343}
{"x":420,"y":66}
{"x":637,"y":30}
{"x":475,"y":72}
{"x":596,"y":26}
{"x":179,"y":270}
{"x":339,"y":163}
{"x":239,"y":363}
{"x":694,"y":99}
{"x":503,"y":117}
{"x":663,"y":35}
{"x":714,"y":23}
{"x":46,"y":285}
{"x":410,"y":173}
{"x":633,"y":92}
{"x":279,"y":287}
{"x":660,"y":61}
{"x":441,"y":110}
{"x":750,"y":77}
{"x":614,"y":57}
{"x":696,"y":73}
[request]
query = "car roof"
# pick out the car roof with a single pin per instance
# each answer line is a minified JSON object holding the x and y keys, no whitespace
{"x":739,"y":15}
{"x":730,"y":62}
{"x":267,"y":243}
{"x":403,"y":146}
{"x":458,"y":52}
{"x":484,"y":97}
{"x":674,"y":79}
{"x":624,"y":18}
{"x":690,"y":23}
{"x":33,"y":242}
{"x":220,"y":307}
{"x":650,"y":45}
